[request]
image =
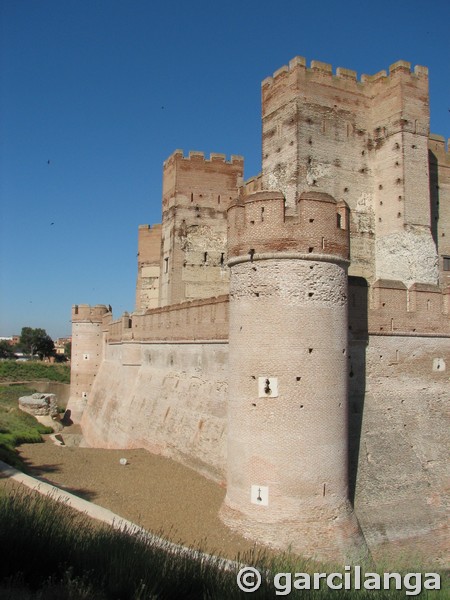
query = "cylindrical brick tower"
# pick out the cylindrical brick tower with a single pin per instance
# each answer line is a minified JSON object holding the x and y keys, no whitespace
{"x":87,"y":354}
{"x":287,"y":420}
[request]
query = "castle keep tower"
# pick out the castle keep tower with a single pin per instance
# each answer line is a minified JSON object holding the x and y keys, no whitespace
{"x":287,"y":414}
{"x":87,"y":353}
{"x":363,"y":141}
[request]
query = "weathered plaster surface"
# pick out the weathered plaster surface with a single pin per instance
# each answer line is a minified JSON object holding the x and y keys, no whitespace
{"x":174,"y":403}
{"x":409,"y":256}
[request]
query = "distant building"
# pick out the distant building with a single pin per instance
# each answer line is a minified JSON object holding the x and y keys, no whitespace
{"x":60,"y":345}
{"x":12,"y":339}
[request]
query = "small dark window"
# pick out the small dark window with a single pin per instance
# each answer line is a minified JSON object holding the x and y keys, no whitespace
{"x":446,"y":263}
{"x":339,"y":220}
{"x":205,"y":257}
{"x":166,"y":265}
{"x":222,"y":259}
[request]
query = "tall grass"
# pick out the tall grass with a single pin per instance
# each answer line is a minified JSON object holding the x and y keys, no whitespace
{"x":51,"y":550}
{"x":11,"y":370}
{"x":16,"y":426}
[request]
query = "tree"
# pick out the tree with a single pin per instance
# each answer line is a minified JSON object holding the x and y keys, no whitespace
{"x":36,"y":341}
{"x":6,"y":350}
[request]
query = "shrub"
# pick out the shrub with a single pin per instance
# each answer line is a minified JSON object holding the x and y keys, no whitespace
{"x":11,"y":370}
{"x":17,"y":427}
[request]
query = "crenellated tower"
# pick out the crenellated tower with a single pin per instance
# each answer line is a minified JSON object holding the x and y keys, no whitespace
{"x":196,"y":194}
{"x":88,"y":325}
{"x":287,"y":457}
{"x":362,"y":141}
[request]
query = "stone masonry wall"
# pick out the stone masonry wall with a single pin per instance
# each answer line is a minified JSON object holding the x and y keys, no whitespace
{"x":171,"y":398}
{"x":167,"y":398}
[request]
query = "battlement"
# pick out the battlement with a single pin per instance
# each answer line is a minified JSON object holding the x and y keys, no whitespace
{"x":195,"y":181}
{"x":419,"y":309}
{"x":198,"y":156}
{"x":187,"y":321}
{"x":319,"y":83}
{"x":87,"y":313}
{"x":322,"y":69}
{"x":258,"y":224}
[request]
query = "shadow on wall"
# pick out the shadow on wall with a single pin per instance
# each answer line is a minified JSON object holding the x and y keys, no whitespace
{"x":434,"y":194}
{"x":358,"y":339}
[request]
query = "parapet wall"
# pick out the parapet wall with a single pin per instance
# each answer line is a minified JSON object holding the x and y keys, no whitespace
{"x":197,"y":320}
{"x":421,"y":308}
{"x":260,"y":224}
{"x":390,"y":308}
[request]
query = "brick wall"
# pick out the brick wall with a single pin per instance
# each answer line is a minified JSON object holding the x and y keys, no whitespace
{"x":196,"y":194}
{"x":196,"y":320}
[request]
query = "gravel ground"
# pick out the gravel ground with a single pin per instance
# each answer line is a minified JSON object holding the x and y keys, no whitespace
{"x":152,"y":491}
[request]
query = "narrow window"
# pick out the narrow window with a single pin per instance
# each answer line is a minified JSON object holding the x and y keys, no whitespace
{"x":166,"y":265}
{"x":446,"y":263}
{"x":262,"y":213}
{"x":218,"y":199}
{"x":205,"y":257}
{"x":192,"y":197}
{"x":222,"y":259}
{"x":339,"y":220}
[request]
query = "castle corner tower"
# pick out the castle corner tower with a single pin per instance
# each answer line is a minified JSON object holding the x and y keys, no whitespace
{"x":88,"y":323}
{"x":287,"y":415}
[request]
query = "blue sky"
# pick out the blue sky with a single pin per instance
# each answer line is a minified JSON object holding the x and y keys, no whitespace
{"x":106,"y":89}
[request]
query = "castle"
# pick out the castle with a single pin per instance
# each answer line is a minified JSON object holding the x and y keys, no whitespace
{"x":291,"y":332}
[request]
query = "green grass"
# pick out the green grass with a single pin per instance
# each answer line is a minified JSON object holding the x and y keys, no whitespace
{"x":53,"y":552}
{"x":10,"y":370}
{"x":16,"y":426}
